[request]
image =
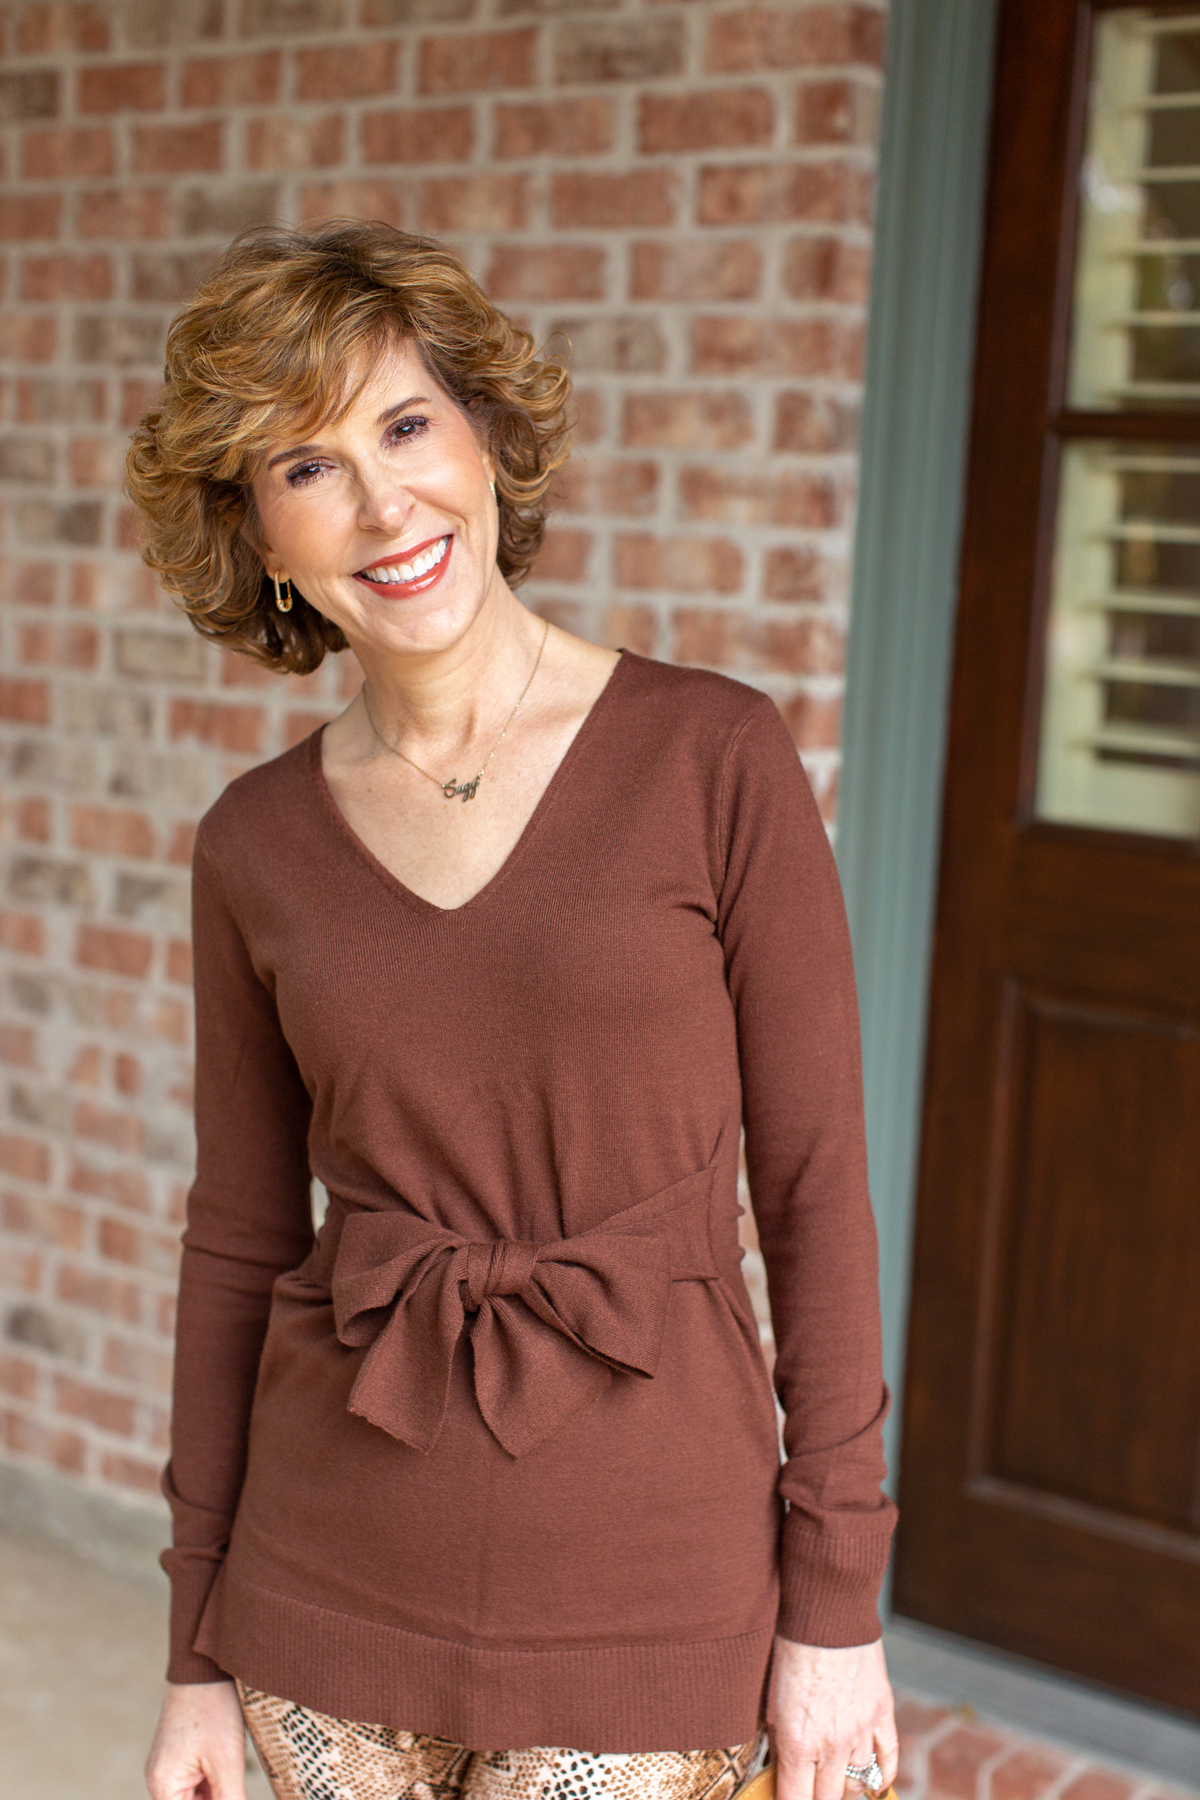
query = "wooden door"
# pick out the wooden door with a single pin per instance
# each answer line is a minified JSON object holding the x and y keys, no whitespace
{"x":1050,"y":1480}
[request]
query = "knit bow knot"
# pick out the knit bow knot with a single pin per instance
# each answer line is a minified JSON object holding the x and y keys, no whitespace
{"x":549,"y":1323}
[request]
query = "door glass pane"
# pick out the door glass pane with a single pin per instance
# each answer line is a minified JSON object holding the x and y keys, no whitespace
{"x":1136,"y":332}
{"x":1120,"y":742}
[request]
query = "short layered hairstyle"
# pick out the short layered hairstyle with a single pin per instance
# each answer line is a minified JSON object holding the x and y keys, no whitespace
{"x":277,"y":341}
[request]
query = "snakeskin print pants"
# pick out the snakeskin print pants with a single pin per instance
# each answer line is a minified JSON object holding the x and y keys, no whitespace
{"x":308,"y":1756}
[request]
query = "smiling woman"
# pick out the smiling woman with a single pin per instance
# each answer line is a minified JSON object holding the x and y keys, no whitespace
{"x":276,"y":343}
{"x":491,"y":1464}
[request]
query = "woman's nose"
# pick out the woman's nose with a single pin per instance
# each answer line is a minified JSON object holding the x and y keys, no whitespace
{"x":384,"y":504}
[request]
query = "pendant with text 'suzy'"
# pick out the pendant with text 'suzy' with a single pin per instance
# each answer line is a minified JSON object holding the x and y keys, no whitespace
{"x":451,"y":790}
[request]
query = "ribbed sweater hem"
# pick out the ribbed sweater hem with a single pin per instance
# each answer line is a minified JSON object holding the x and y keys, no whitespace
{"x":830,"y":1583}
{"x":623,"y":1697}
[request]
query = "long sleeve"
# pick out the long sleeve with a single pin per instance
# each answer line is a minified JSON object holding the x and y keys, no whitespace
{"x":249,"y":1218}
{"x":789,"y":971}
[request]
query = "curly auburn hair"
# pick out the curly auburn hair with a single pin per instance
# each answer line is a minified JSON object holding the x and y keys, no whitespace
{"x":262,"y":352}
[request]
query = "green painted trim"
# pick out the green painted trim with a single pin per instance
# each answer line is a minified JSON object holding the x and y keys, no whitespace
{"x":932,"y":167}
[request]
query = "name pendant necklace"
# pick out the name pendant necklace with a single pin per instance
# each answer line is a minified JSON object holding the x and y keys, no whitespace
{"x":453,"y":789}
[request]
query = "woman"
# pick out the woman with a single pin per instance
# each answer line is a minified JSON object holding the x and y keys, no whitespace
{"x":506,"y":956}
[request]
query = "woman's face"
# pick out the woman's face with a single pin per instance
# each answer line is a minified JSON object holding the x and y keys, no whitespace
{"x":385,"y":521}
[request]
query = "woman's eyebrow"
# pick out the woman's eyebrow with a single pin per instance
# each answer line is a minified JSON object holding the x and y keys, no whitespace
{"x":385,"y":418}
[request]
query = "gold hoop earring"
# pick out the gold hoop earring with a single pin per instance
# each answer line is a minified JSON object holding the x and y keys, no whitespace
{"x":283,"y":601}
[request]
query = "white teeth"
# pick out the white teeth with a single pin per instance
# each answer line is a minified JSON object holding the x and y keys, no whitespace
{"x":391,"y":573}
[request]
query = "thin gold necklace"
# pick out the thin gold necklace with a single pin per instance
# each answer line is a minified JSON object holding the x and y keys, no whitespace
{"x":453,"y":789}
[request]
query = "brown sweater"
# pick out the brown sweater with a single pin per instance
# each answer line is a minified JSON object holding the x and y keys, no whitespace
{"x":511,"y":1475}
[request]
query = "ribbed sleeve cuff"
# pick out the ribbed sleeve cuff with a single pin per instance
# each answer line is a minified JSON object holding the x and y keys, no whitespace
{"x":829,"y":1582}
{"x":191,"y":1583}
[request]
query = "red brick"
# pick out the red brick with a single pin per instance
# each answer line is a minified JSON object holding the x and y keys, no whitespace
{"x":696,"y":269}
{"x":24,"y":702}
{"x":557,"y":128}
{"x":1098,"y":1784}
{"x":144,"y":1364}
{"x":588,"y":416}
{"x":955,"y":1761}
{"x":815,"y":723}
{"x":131,"y":1472}
{"x":665,"y":419}
{"x":280,"y":142}
{"x":686,"y":565}
{"x":705,"y":119}
{"x":29,"y":583}
{"x":26,"y":216}
{"x":836,"y":112}
{"x":299,"y":725}
{"x":60,"y":402}
{"x":232,"y":80}
{"x":474,"y":203}
{"x":100,"y":1125}
{"x":123,"y":212}
{"x":24,"y":1157}
{"x":353,"y":199}
{"x":564,"y":555}
{"x":123,"y":87}
{"x":99,"y":1293}
{"x":730,"y":639}
{"x":431,"y":134}
{"x":182,"y":844}
{"x":238,"y":728}
{"x":62,"y":646}
{"x":23,"y":932}
{"x":28,"y":337}
{"x":635,"y":197}
{"x":127,"y":1074}
{"x":356,"y":71}
{"x":62,"y":27}
{"x":19,"y":1377}
{"x":98,"y":1406}
{"x":1027,"y":1774}
{"x":65,"y":1450}
{"x":587,"y":50}
{"x":33,"y":819}
{"x":179,"y":961}
{"x":831,"y":348}
{"x":547,"y":272}
{"x":18,"y":1046}
{"x":812,"y":423}
{"x":913,"y":1720}
{"x":477,"y":62}
{"x":631,"y":628}
{"x":66,"y":277}
{"x":119,"y":952}
{"x":51,"y":155}
{"x":764,"y":37}
{"x":94,"y":462}
{"x":624,"y":486}
{"x":796,"y":572}
{"x":137,"y":397}
{"x":86,"y":1065}
{"x":178,"y":149}
{"x":827,"y":268}
{"x":112,"y":831}
{"x":22,"y":1270}
{"x":48,"y":1220}
{"x":769,"y":496}
{"x":768,"y":193}
{"x":127,"y":1187}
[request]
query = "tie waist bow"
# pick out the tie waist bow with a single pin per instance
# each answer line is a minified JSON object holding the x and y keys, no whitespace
{"x":549,"y":1323}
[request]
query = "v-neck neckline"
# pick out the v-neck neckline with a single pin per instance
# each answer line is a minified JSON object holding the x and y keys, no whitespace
{"x":545,"y":800}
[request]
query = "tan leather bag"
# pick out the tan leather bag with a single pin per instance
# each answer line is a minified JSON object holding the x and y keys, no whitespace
{"x":763,"y":1788}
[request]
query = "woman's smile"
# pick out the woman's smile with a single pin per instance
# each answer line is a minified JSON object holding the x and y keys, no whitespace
{"x":409,"y":571}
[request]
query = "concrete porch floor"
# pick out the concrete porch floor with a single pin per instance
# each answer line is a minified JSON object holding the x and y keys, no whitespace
{"x":80,"y":1679}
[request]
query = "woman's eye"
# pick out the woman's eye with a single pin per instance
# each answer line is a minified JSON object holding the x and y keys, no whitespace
{"x":412,"y":425}
{"x":303,"y":473}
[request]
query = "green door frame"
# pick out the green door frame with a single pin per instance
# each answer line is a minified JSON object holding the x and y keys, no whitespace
{"x":931,"y":195}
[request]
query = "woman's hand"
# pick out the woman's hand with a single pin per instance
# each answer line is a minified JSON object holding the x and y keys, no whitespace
{"x":827,"y":1708}
{"x":199,"y":1749}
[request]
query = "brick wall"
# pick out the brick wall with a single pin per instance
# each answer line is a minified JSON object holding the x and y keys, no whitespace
{"x":678,"y":193}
